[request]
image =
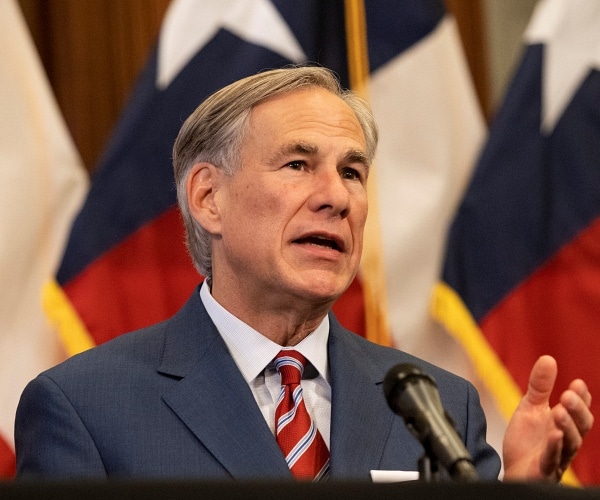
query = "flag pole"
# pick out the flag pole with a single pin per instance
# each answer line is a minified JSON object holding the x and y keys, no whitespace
{"x":372,"y":271}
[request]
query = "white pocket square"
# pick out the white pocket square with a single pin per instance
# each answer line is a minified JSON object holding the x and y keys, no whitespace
{"x":393,"y":476}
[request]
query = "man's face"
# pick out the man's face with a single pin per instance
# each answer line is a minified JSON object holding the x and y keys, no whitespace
{"x":292,"y":217}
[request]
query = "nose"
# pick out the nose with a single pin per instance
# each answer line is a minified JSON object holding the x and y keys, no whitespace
{"x":330,"y":193}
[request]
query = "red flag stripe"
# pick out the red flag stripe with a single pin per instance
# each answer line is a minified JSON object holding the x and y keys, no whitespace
{"x":7,"y":460}
{"x":150,"y":270}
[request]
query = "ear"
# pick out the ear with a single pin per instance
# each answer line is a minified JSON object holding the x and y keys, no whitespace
{"x":201,"y":186}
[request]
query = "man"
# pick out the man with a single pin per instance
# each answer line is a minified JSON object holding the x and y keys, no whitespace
{"x":271,"y":175}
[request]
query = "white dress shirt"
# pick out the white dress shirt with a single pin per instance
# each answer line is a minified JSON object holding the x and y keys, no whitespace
{"x":253,"y":353}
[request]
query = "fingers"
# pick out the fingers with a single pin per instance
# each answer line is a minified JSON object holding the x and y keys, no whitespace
{"x":541,"y":381}
{"x":572,"y":439}
{"x":573,"y":417}
{"x":580,"y":388}
{"x":576,"y":420}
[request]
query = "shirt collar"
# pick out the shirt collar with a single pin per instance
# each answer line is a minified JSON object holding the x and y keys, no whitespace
{"x":252,"y":351}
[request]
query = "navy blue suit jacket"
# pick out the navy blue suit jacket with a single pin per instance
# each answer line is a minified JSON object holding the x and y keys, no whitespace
{"x":168,"y":401}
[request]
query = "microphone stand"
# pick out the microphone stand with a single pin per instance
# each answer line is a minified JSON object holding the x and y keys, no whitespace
{"x":428,"y":468}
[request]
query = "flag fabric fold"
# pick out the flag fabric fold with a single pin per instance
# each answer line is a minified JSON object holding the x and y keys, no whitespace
{"x":523,"y":253}
{"x":43,"y":184}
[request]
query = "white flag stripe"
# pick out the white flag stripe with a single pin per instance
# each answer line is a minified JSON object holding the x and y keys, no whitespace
{"x":432,"y":130}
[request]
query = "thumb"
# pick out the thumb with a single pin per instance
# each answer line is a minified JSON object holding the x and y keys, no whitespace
{"x":541,"y":381}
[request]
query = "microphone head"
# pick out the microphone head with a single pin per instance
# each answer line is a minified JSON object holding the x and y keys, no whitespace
{"x":399,"y":376}
{"x":412,"y":394}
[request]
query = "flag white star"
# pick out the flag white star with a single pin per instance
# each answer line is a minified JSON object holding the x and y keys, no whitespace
{"x":190,"y":24}
{"x":570,"y":29}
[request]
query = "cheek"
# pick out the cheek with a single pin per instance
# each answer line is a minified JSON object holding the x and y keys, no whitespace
{"x":268,"y":198}
{"x":359,"y":218}
{"x":260,"y":206}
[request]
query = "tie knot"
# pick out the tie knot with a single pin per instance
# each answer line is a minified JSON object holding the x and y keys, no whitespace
{"x":290,"y":365}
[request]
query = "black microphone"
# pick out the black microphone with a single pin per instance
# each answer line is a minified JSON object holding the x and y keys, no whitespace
{"x":413,"y":394}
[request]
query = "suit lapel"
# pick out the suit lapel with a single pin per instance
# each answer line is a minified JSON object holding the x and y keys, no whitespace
{"x":361,"y":419}
{"x":213,"y":399}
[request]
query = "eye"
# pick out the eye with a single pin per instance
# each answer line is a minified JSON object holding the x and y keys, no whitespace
{"x":296,"y":165}
{"x":350,"y":174}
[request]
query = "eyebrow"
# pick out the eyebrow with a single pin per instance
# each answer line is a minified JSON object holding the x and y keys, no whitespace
{"x":301,"y":148}
{"x":305,"y":148}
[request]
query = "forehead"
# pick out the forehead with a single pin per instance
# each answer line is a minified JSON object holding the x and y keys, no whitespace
{"x":311,"y":112}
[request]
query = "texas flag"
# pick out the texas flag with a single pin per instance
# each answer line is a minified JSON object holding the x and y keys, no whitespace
{"x":42,"y":186}
{"x":522,"y":268}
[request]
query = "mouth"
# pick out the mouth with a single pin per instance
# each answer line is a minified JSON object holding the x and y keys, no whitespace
{"x":322,"y":240}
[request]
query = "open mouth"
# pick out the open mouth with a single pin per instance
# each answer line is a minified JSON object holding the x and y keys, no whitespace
{"x":321,"y":241}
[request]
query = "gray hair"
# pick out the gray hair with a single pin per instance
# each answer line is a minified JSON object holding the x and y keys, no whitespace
{"x":214,"y":133}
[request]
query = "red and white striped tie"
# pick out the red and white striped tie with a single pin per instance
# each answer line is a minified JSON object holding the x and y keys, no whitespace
{"x":305,"y":451}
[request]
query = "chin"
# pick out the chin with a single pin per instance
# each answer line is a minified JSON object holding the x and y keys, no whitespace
{"x":325,"y":290}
